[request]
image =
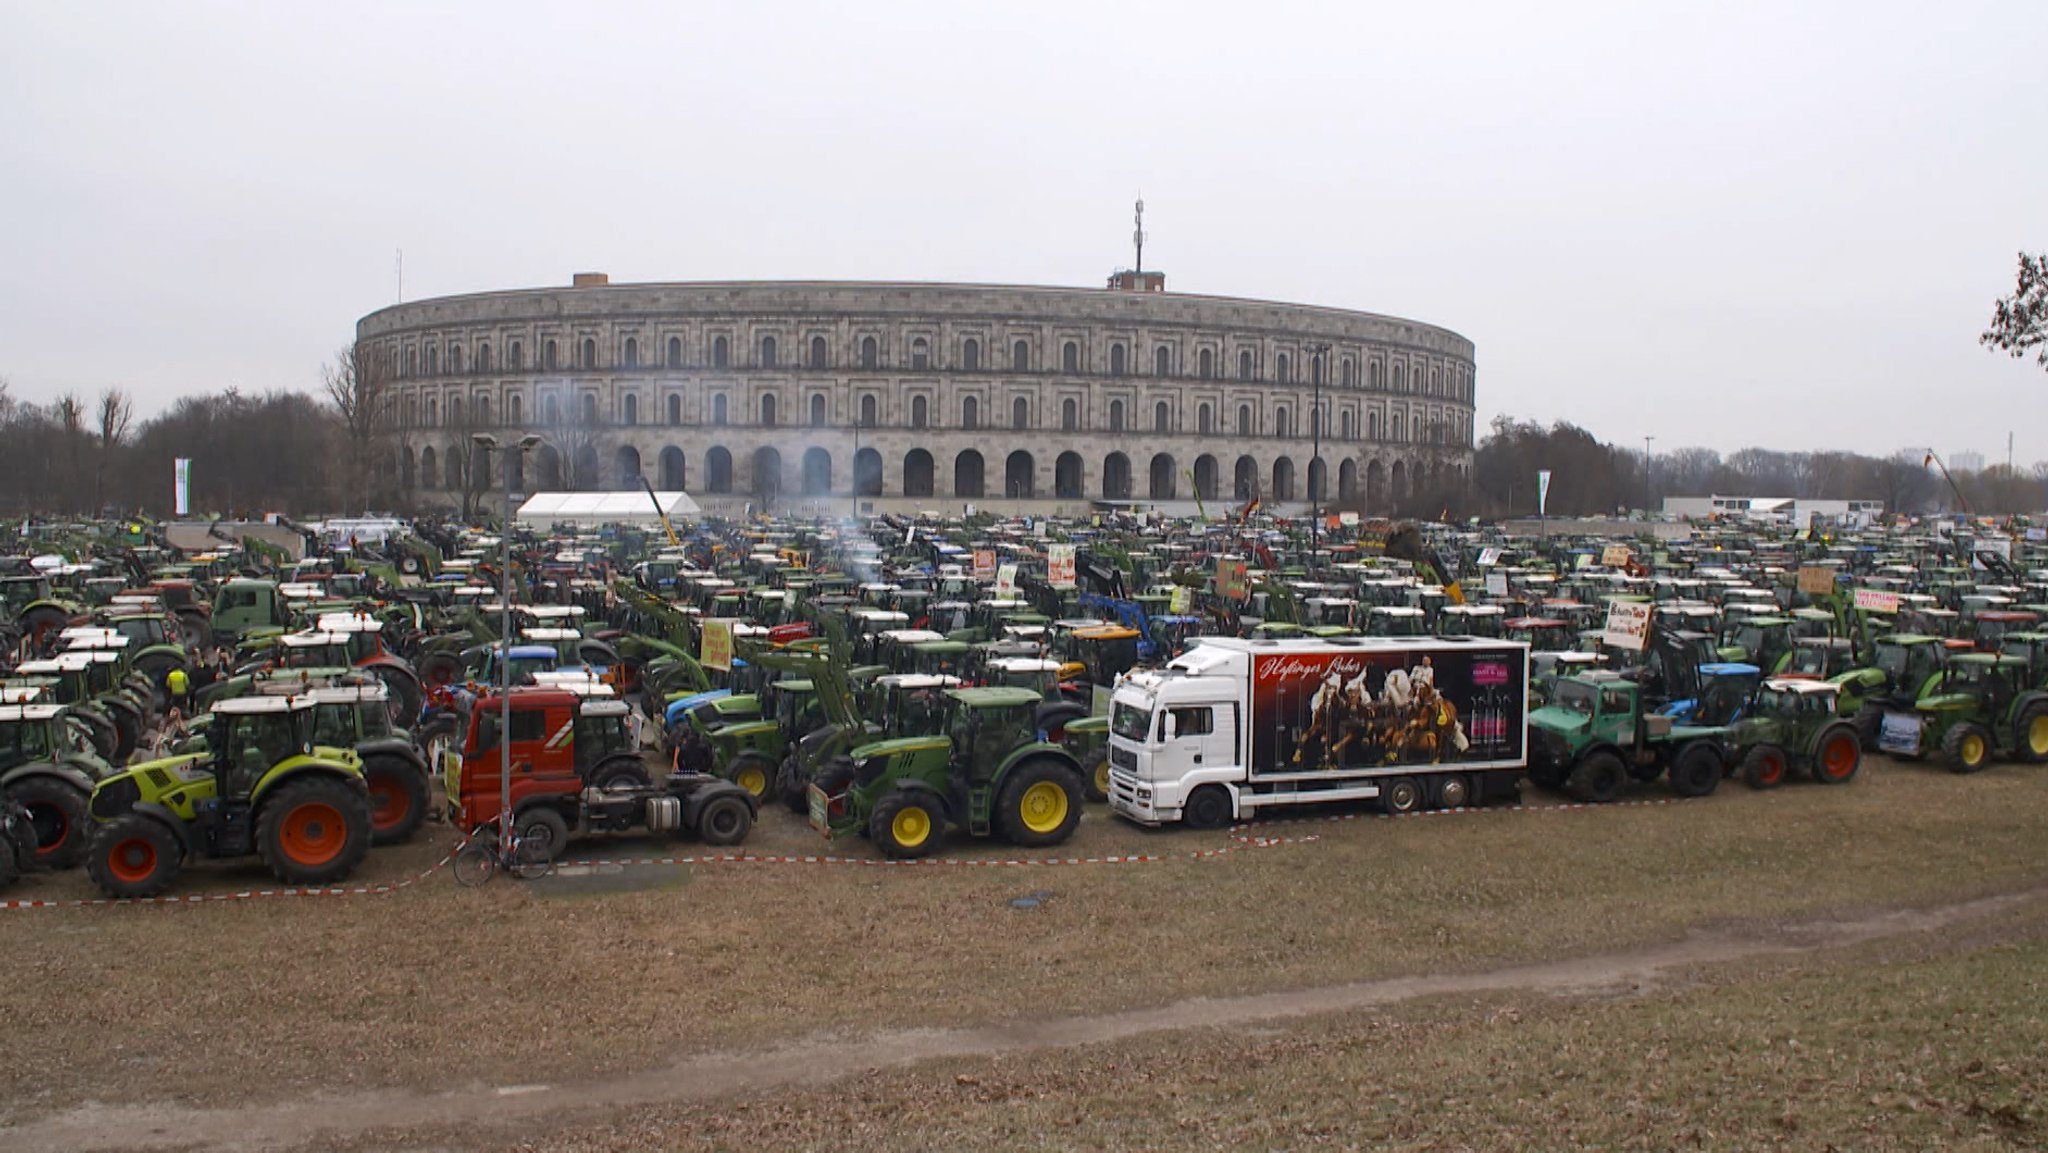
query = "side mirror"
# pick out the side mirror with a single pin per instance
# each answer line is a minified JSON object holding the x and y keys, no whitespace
{"x":1169,"y":726}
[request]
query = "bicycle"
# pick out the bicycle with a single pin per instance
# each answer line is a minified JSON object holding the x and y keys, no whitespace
{"x":527,"y":858}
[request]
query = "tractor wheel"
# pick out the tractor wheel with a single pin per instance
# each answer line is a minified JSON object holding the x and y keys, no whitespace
{"x":314,"y":831}
{"x":398,"y":799}
{"x":406,"y":697}
{"x":10,"y":864}
{"x":752,"y":771}
{"x":1054,"y":716}
{"x":543,"y":834}
{"x":1039,"y":804}
{"x":40,"y":621}
{"x":127,"y":733}
{"x":1207,"y":807}
{"x":134,"y":856}
{"x":195,"y":631}
{"x":1764,"y":767}
{"x":440,"y":669}
{"x":1095,"y":775}
{"x":725,"y":820}
{"x":2030,"y":733}
{"x":1597,"y":779}
{"x":620,"y":773}
{"x":1837,"y":755}
{"x":907,"y":824}
{"x":836,"y":777}
{"x":1697,"y":770}
{"x":1869,"y":723}
{"x":105,"y":738}
{"x":1401,"y":796}
{"x":59,"y":815}
{"x":1966,"y":748}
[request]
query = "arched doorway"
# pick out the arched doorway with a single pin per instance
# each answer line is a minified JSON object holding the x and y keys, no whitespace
{"x":1116,"y":477}
{"x":671,"y":467}
{"x":515,"y":472}
{"x":1245,"y":478}
{"x":1066,"y":476}
{"x":917,"y":473}
{"x":1283,"y":479}
{"x":1162,"y":477}
{"x":405,"y":467}
{"x":1347,"y":480}
{"x":718,"y":470}
{"x":967,"y":470}
{"x":1318,"y":476}
{"x":626,"y":466}
{"x":1205,"y":477}
{"x":1375,"y":487}
{"x":1019,"y":475}
{"x":547,"y":468}
{"x":867,"y":472}
{"x":1399,"y":475}
{"x":767,"y":474}
{"x":585,"y":467}
{"x":817,"y":479}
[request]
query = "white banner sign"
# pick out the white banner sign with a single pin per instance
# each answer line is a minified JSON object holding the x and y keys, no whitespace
{"x":1542,"y":491}
{"x":1006,"y":580}
{"x":1628,"y":625}
{"x":1876,"y":601}
{"x":181,"y":487}
{"x":1059,"y":565}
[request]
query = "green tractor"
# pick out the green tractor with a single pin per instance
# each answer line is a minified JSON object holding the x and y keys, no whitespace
{"x":985,"y":771}
{"x":1595,"y":735}
{"x":1903,"y":668}
{"x":1792,"y":724}
{"x":749,"y":753}
{"x":1983,"y":707}
{"x":48,"y":765}
{"x":262,"y":786}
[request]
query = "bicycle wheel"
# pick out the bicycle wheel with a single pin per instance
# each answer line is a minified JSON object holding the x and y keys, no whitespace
{"x":530,"y":859}
{"x":474,"y":864}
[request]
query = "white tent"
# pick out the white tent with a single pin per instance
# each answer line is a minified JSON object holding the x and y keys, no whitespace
{"x":591,"y":509}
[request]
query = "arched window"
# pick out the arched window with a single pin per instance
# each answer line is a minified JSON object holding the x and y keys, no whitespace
{"x":454,"y":358}
{"x":1206,"y":363}
{"x":411,"y":363}
{"x":1397,"y":382}
{"x":515,"y":356}
{"x":1280,"y":421}
{"x":455,"y":411}
{"x":867,"y":410}
{"x":590,"y":408}
{"x":817,"y":352}
{"x":767,"y":352}
{"x":1244,"y":365}
{"x":970,"y":413}
{"x":1161,"y":417}
{"x":551,"y":410}
{"x":1315,"y":367}
{"x":483,"y":411}
{"x":1203,"y":420}
{"x":433,"y":360}
{"x":1244,"y":420}
{"x":1350,"y":373}
{"x":512,"y":409}
{"x":970,"y":355}
{"x":870,"y":352}
{"x":1070,"y":415}
{"x":1116,"y":416}
{"x":768,"y":410}
{"x":721,"y":353}
{"x":920,"y":412}
{"x":1372,"y":426}
{"x":1372,"y":374}
{"x":589,"y":353}
{"x":675,"y":408}
{"x":1347,"y":422}
{"x":1281,"y":367}
{"x":1020,"y":356}
{"x":632,"y":352}
{"x":718,"y":409}
{"x":817,"y":410}
{"x":1020,"y":414}
{"x":920,"y":355}
{"x":1116,"y":360}
{"x":631,"y":409}
{"x":675,"y":352}
{"x":483,"y":356}
{"x":1070,"y":357}
{"x":548,"y":358}
{"x":1162,"y":361}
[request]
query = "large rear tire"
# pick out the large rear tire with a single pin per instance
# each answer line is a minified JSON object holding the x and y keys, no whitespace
{"x":1039,"y":804}
{"x":1869,"y":723}
{"x":752,"y":771}
{"x":398,"y":799}
{"x":314,"y":831}
{"x":1837,"y":755}
{"x":1966,"y":748}
{"x":724,"y":820}
{"x":1764,"y":767}
{"x":2030,"y":733}
{"x":1697,"y":770}
{"x":1597,"y":779}
{"x":134,"y":856}
{"x":907,"y":824}
{"x":1095,"y":775}
{"x":59,"y":815}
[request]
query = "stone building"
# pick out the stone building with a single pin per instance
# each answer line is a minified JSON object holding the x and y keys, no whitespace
{"x":793,"y":395}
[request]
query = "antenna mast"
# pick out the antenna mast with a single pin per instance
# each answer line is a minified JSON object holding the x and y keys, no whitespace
{"x":1138,"y":235}
{"x":401,"y":276}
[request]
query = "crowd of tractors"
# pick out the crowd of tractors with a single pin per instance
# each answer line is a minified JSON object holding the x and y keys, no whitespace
{"x":903,"y":680}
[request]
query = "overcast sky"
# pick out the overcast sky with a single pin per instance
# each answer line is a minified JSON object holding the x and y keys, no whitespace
{"x":1718,"y":223}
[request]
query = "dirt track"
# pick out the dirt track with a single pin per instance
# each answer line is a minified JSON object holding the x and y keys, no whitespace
{"x":825,"y":1058}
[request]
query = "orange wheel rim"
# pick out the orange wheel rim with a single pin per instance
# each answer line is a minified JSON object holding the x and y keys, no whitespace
{"x":50,"y":822}
{"x":1774,"y":769}
{"x":132,"y":860}
{"x":390,"y":804}
{"x":1838,"y":758}
{"x":313,"y":834}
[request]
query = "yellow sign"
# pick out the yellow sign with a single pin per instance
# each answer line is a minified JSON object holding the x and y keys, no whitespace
{"x":1614,"y":556}
{"x":717,"y":648}
{"x":1816,"y":580}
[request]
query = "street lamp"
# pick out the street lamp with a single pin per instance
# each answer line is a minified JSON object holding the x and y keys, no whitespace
{"x":1646,"y":474}
{"x":1315,"y":488}
{"x":489,"y":444}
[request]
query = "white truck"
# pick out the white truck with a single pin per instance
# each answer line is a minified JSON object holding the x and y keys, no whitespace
{"x":1234,"y":726}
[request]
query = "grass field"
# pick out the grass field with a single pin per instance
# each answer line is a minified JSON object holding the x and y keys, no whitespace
{"x":436,"y":988}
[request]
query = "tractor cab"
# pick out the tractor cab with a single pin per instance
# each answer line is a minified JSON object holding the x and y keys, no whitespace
{"x":1992,"y":625}
{"x":1818,"y":658}
{"x":1541,"y":634}
{"x":910,"y":704}
{"x":1470,"y":620}
{"x":314,"y":650}
{"x":1396,"y":621}
{"x":1037,"y":674}
{"x":985,"y":724}
{"x":939,"y":658}
{"x":32,"y":732}
{"x":1725,"y":690}
{"x":1757,"y":640}
{"x":524,"y":661}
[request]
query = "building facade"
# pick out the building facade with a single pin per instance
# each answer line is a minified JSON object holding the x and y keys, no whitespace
{"x":900,"y":396}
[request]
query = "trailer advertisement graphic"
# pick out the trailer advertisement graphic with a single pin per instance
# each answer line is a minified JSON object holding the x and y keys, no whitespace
{"x":1356,"y":710}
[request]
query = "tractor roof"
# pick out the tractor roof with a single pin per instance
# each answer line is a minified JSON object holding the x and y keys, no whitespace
{"x":549,"y":635}
{"x":994,"y":697}
{"x":29,"y":712}
{"x":1729,"y":669}
{"x":1999,"y":660}
{"x":256,"y":705}
{"x":348,"y":623}
{"x":310,"y":640}
{"x":1802,"y":687}
{"x":370,"y":693}
{"x":911,"y":682}
{"x":1024,"y":665}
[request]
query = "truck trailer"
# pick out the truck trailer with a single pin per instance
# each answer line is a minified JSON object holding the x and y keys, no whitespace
{"x":1234,"y":726}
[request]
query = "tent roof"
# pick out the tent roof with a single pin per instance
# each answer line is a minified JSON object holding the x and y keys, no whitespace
{"x":596,"y":508}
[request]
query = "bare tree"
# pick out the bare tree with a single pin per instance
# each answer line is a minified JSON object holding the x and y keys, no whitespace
{"x":357,"y":384}
{"x":116,"y":412}
{"x":2019,"y":323}
{"x":71,"y":420}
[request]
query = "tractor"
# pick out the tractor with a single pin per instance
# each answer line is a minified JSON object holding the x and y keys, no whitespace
{"x":48,"y":766}
{"x":1792,"y":724}
{"x":262,"y":786}
{"x":1982,"y":707}
{"x":985,"y":771}
{"x":1595,"y":735}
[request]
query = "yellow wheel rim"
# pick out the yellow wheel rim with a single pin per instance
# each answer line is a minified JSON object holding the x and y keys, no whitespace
{"x":2037,"y":735}
{"x":753,"y":780}
{"x":911,"y":827}
{"x":1102,"y":776}
{"x":1973,"y":749}
{"x":1043,"y":808}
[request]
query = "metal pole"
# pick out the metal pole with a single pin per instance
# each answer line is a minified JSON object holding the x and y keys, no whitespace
{"x":505,"y":667}
{"x":1315,"y":488}
{"x":1646,"y":473}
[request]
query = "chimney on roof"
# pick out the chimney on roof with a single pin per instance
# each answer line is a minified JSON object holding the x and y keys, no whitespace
{"x":590,"y":280}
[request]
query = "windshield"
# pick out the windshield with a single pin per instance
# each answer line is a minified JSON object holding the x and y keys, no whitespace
{"x":1574,"y":697}
{"x":1130,"y":722}
{"x":1894,"y":659}
{"x":1808,"y":659}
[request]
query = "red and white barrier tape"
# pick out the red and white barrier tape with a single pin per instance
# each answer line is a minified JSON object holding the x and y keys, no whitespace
{"x":244,"y":894}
